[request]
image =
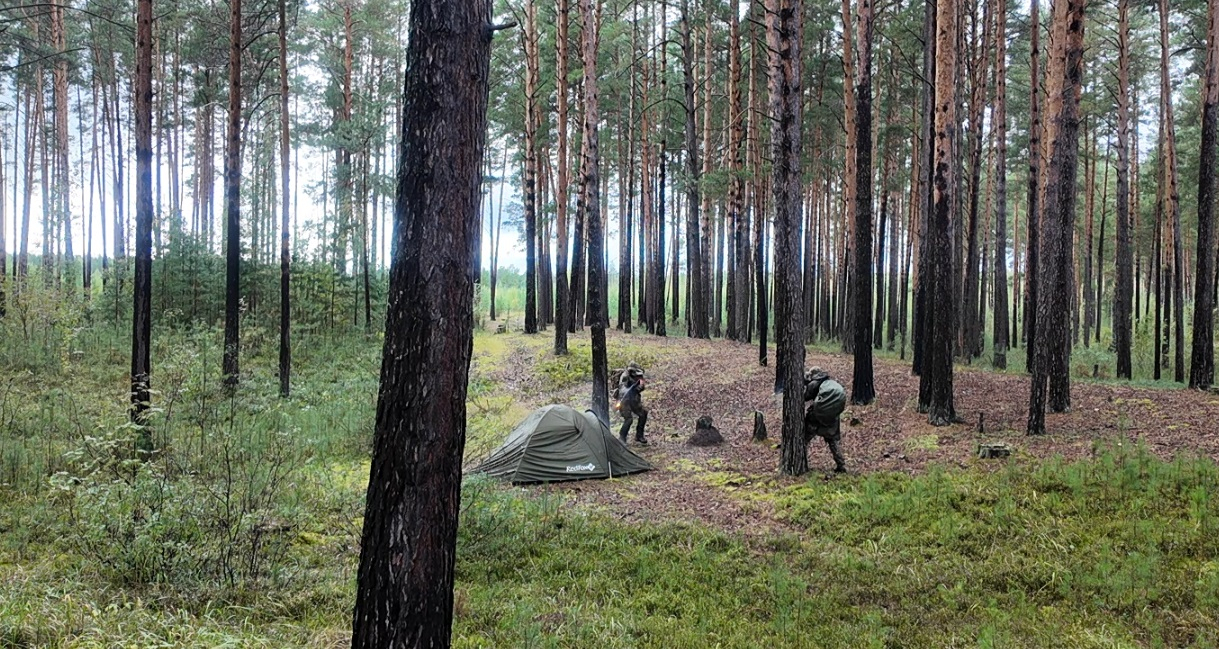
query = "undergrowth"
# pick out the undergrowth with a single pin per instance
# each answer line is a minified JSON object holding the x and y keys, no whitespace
{"x":244,"y":530}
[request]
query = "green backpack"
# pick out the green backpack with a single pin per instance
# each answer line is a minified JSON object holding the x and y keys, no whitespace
{"x":830,"y":402}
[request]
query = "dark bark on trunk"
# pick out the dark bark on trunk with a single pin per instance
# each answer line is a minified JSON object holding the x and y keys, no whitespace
{"x":695,"y":222}
{"x":674,"y":263}
{"x":863,"y":390}
{"x":736,"y":185}
{"x":1100,"y":250}
{"x":717,"y":290}
{"x":1055,"y":280}
{"x":404,"y":594}
{"x":1088,"y":239}
{"x":1202,"y":356}
{"x":940,"y":325}
{"x":626,"y":177}
{"x":285,"y":253}
{"x":1174,"y":313}
{"x":141,"y":320}
{"x":232,"y":208}
{"x":579,"y":264}
{"x":884,"y":243}
{"x":1001,"y":329}
{"x":759,"y":268}
{"x":926,"y":203}
{"x":658,"y":277}
{"x":1122,"y":333}
{"x":592,"y":185}
{"x":784,"y":30}
{"x":563,"y":315}
{"x":971,"y":326}
{"x":1033,"y":256}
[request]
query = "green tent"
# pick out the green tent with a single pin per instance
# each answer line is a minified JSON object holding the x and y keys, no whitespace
{"x":557,"y":443}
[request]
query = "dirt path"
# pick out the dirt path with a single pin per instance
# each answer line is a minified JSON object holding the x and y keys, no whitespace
{"x":722,"y":379}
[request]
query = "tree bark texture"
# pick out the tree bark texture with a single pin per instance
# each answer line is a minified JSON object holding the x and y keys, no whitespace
{"x":1202,"y":360}
{"x":404,"y":594}
{"x":1052,"y":353}
{"x":784,"y":31}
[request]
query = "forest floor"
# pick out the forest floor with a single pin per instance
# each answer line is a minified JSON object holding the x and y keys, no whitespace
{"x":1103,"y":533}
{"x":690,"y":378}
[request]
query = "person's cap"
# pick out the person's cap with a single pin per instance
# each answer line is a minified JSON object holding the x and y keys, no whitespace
{"x":815,"y":373}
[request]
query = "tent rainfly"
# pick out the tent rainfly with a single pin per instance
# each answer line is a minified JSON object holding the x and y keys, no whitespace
{"x":557,"y":443}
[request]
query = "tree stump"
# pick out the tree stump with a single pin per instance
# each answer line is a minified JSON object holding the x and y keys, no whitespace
{"x":705,"y":434}
{"x":759,"y":426}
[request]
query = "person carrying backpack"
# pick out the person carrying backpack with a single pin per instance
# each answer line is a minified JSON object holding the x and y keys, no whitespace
{"x":822,"y":417}
{"x":630,"y":402}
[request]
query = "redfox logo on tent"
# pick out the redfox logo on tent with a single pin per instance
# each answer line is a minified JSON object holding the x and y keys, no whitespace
{"x":581,"y":467}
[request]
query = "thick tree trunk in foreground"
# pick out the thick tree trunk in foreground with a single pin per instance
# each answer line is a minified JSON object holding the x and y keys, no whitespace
{"x":784,"y":31}
{"x":1202,"y":361}
{"x":404,"y":594}
{"x":1053,"y":343}
{"x":940,"y":323}
{"x":592,"y":188}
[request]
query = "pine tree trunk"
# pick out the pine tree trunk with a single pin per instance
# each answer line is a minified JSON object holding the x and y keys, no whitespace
{"x":736,"y":185}
{"x":232,"y":200}
{"x":1122,"y":313}
{"x":404,"y":594}
{"x":999,"y":119}
{"x":850,"y":112}
{"x":863,"y":390}
{"x":940,"y":324}
{"x":141,"y":319}
{"x":626,"y":194}
{"x":1032,"y":255}
{"x":579,"y":264}
{"x":592,"y":186}
{"x":1054,"y":280}
{"x":1174,"y":312}
{"x":1100,"y":250}
{"x":970,"y":326}
{"x":884,"y":237}
{"x":285,"y":253}
{"x":696,"y":225}
{"x":529,"y":38}
{"x":784,"y":31}
{"x":1089,"y":219}
{"x":63,"y":177}
{"x":1202,"y":355}
{"x":925,"y":203}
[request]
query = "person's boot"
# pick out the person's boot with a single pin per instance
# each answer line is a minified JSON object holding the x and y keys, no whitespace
{"x":639,"y":439}
{"x":840,"y":469}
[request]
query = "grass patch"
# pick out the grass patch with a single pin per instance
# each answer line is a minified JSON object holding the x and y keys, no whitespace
{"x":559,"y":372}
{"x":1040,"y":555}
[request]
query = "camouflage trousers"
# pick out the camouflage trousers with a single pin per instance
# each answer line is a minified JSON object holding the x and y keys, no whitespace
{"x":832,"y":435}
{"x":630,"y":409}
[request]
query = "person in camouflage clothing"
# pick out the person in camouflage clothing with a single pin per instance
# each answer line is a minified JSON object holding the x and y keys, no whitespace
{"x":630,"y":402}
{"x":822,"y":417}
